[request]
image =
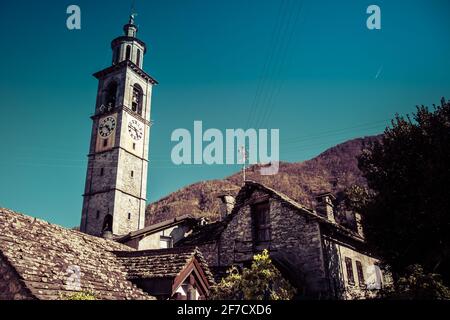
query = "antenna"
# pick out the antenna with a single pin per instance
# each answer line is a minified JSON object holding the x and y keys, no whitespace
{"x":243,"y":153}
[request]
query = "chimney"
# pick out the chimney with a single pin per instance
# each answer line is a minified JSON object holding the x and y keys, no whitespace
{"x":359,"y":227}
{"x":325,"y":205}
{"x":227,"y":204}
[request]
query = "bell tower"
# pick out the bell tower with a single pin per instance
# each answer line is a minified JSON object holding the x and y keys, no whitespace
{"x":114,"y":199}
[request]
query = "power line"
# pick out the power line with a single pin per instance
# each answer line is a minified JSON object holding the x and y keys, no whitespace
{"x":270,"y":51}
{"x":285,"y":53}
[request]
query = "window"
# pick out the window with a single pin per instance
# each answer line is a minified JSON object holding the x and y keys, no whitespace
{"x":136,"y":101}
{"x":132,"y":173}
{"x":134,"y":146}
{"x":261,"y":222}
{"x":128,"y":53}
{"x":105,"y":142}
{"x":165,"y":242}
{"x":101,"y":171}
{"x":110,"y":97}
{"x":359,"y":270}
{"x":349,"y":267}
{"x":97,"y":214}
{"x":138,"y":58}
{"x":129,"y":215}
{"x":107,"y":223}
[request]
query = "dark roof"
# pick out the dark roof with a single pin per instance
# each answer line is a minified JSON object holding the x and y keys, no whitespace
{"x":333,"y":226}
{"x":204,"y":234}
{"x":161,"y":263}
{"x":42,"y":255}
{"x":211,"y":232}
{"x":127,"y":38}
{"x":326,"y":193}
{"x":121,"y":64}
{"x":157,"y":227}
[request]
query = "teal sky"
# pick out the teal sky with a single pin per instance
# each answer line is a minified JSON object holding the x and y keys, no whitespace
{"x":309,"y":68}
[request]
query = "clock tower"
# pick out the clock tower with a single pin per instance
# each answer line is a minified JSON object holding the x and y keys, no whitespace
{"x":114,"y":199}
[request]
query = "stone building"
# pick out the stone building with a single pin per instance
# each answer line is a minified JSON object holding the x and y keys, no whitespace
{"x":320,"y":257}
{"x":116,"y":179}
{"x":39,"y":260}
{"x":161,"y":235}
{"x":176,"y":273}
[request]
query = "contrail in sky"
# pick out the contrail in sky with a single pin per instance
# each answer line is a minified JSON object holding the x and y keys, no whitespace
{"x":378,"y":72}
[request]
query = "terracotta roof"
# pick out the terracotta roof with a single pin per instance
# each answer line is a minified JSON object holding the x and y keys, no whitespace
{"x":43,"y":254}
{"x":161,"y":263}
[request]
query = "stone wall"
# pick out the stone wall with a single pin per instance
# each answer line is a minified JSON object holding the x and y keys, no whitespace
{"x":293,"y":237}
{"x":102,"y":202}
{"x":297,"y":237}
{"x":11,"y":287}
{"x":210,"y":252}
{"x":126,"y":206}
{"x":152,"y":241}
{"x":335,"y":254}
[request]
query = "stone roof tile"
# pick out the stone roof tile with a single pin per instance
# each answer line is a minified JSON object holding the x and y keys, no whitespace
{"x":43,"y":254}
{"x":161,"y":263}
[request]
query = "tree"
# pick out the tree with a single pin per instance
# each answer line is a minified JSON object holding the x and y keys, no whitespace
{"x":81,"y":295}
{"x":416,"y":284}
{"x":262,"y":281}
{"x":407,"y":218}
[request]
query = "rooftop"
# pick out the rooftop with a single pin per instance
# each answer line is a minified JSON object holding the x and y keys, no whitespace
{"x":44,"y":257}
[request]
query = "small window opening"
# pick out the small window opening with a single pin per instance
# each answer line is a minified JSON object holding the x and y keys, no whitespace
{"x":128,"y":53}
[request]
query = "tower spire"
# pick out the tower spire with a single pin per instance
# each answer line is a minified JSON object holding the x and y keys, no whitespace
{"x":133,"y":12}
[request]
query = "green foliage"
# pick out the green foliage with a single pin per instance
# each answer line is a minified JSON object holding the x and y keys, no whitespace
{"x":416,"y":284}
{"x":356,"y":197}
{"x":407,"y":217}
{"x":81,"y":295}
{"x":262,"y":281}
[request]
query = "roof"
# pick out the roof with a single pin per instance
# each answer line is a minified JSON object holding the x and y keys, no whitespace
{"x":204,"y":234}
{"x":301,"y":209}
{"x":121,"y":64}
{"x":324,"y":194}
{"x":211,"y":232}
{"x":161,"y":263}
{"x":157,"y":227}
{"x":43,"y":256}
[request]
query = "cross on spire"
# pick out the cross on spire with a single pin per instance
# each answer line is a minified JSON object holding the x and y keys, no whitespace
{"x":133,"y":12}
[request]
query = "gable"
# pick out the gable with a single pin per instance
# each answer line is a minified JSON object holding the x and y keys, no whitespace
{"x":11,"y":286}
{"x":162,"y":272}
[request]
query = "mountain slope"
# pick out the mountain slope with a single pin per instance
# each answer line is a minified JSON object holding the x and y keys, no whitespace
{"x":333,"y":170}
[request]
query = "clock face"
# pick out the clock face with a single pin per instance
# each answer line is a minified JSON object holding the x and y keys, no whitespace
{"x":135,"y":129}
{"x":106,"y":126}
